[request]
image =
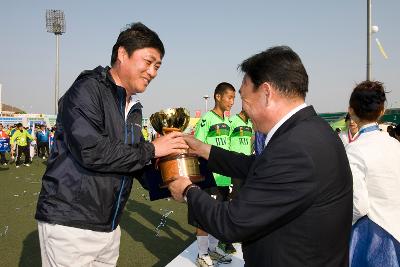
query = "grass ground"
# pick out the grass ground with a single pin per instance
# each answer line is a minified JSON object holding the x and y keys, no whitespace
{"x":140,"y":245}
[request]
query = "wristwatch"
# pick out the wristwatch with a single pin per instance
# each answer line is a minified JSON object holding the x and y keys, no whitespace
{"x":187,"y":190}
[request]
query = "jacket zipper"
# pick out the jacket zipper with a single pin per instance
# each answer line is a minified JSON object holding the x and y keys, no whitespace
{"x":132,"y":133}
{"x":123,"y":177}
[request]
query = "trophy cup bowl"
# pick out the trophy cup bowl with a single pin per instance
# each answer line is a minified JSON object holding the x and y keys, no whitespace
{"x":183,"y":164}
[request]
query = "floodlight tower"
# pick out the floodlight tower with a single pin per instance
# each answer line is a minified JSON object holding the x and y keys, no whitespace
{"x":206,"y":97}
{"x":55,"y":23}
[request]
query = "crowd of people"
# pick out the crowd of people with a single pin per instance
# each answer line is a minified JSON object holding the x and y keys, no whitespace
{"x":294,"y":193}
{"x":21,"y":142}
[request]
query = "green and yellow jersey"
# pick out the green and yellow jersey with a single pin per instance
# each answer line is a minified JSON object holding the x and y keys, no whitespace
{"x":214,"y":130}
{"x":21,"y":138}
{"x":241,"y":135}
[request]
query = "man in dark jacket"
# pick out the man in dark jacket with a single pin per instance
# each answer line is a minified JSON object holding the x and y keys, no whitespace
{"x":98,"y":149}
{"x":42,"y":137}
{"x":295,"y":207}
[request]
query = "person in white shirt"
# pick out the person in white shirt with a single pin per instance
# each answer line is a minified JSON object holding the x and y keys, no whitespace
{"x":374,"y":161}
{"x":351,"y":132}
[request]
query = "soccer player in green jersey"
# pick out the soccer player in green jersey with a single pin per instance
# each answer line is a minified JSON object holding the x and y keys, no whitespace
{"x":213,"y":128}
{"x":241,"y":141}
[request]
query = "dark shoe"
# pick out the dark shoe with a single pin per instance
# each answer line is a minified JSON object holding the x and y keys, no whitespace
{"x":227,"y":247}
{"x":230,"y":248}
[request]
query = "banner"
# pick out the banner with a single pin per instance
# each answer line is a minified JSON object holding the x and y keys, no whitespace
{"x":4,"y":144}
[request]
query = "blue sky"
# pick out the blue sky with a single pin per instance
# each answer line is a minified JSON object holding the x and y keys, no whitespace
{"x":205,"y":41}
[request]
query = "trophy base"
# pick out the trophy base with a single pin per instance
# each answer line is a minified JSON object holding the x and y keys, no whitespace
{"x":185,"y":164}
{"x":193,"y":178}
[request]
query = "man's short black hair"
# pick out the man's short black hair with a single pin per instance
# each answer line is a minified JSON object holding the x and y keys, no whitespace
{"x":281,"y":67}
{"x":18,"y":125}
{"x":222,"y":88}
{"x":136,"y":36}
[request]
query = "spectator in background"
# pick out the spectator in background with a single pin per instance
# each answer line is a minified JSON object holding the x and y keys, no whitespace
{"x":213,"y":128}
{"x":4,"y":145}
{"x":390,"y":130}
{"x":32,"y":143}
{"x":145,"y":133}
{"x":10,"y":133}
{"x":20,"y":139}
{"x":374,"y":161}
{"x":11,"y":130}
{"x":241,"y":140}
{"x":351,"y":132}
{"x":51,"y":138}
{"x":43,"y":136}
{"x":397,"y":132}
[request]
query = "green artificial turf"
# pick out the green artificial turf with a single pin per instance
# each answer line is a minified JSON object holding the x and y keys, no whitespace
{"x":140,"y":245}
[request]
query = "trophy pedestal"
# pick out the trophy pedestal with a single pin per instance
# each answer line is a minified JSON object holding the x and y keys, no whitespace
{"x":180,"y":165}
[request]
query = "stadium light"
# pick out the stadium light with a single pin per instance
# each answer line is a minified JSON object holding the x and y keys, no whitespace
{"x":206,"y":100}
{"x":55,"y":23}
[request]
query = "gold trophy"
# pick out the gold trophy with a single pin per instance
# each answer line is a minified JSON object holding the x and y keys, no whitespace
{"x":183,"y":164}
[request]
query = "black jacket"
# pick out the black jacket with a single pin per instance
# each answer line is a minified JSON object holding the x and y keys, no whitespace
{"x":96,"y":153}
{"x":295,"y":207}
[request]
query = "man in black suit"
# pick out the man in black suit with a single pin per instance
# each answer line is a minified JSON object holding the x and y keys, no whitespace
{"x":295,"y":207}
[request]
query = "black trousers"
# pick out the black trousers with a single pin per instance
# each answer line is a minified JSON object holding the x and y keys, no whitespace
{"x":23,"y":150}
{"x":43,"y":149}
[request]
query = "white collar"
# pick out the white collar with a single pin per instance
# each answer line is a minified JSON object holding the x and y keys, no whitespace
{"x":281,"y":121}
{"x":367,"y":125}
{"x":132,"y":101}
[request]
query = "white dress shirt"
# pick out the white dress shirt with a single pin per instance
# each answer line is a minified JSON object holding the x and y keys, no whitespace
{"x":347,"y":137}
{"x":281,"y":121}
{"x":375,"y":164}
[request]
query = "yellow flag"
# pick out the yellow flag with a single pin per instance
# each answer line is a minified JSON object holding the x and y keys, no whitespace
{"x":381,"y":48}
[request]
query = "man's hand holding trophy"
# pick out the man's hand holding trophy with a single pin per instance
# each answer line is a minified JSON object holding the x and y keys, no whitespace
{"x":170,"y":122}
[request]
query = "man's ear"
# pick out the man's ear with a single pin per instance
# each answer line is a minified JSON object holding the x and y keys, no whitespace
{"x":218,"y":97}
{"x":122,"y":54}
{"x":267,"y":91}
